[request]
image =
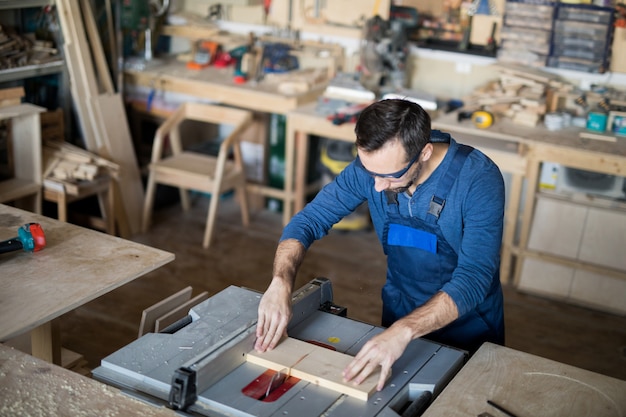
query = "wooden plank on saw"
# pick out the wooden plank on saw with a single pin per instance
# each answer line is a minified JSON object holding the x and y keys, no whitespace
{"x":315,"y":364}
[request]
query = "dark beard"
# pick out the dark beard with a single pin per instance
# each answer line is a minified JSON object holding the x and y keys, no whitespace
{"x":405,"y":188}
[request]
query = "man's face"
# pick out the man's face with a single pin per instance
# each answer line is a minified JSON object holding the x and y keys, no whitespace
{"x":390,"y":169}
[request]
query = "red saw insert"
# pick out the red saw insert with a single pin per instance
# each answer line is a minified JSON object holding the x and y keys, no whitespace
{"x":258,"y":389}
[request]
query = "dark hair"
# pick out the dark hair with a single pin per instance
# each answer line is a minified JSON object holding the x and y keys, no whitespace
{"x":393,"y":119}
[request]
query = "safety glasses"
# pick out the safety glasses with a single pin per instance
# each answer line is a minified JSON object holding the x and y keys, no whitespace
{"x":395,"y":175}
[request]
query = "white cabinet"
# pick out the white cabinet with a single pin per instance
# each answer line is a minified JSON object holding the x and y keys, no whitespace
{"x":26,"y":140}
{"x":577,"y":252}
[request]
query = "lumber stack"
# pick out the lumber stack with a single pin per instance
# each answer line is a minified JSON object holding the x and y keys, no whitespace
{"x":68,"y":168}
{"x":100,"y":109}
{"x":11,"y":96}
{"x":519,"y":93}
{"x":298,"y":81}
{"x":18,"y":50}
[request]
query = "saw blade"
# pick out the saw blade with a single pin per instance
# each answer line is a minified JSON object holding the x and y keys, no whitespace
{"x":277,"y":380}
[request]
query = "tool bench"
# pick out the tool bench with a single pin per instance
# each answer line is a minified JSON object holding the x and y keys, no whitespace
{"x":76,"y":266}
{"x":498,"y":381}
{"x":33,"y":387}
{"x":213,"y":84}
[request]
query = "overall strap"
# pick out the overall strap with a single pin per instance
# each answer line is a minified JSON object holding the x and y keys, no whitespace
{"x":437,"y":136}
{"x":392,"y":201}
{"x":438,"y":201}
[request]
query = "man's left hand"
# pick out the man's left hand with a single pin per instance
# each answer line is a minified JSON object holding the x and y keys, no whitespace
{"x":383,"y":349}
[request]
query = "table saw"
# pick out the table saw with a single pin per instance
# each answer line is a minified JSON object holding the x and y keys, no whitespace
{"x":198,"y":365}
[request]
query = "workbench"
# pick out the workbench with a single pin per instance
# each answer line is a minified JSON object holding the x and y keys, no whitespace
{"x":301,"y":123}
{"x":32,"y":387}
{"x":527,"y":385}
{"x":76,"y":266}
{"x":216,"y":85}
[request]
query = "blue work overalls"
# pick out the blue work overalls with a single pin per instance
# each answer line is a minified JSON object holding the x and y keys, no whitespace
{"x":420,"y":261}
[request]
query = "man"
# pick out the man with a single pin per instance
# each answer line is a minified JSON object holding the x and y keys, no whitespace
{"x":437,"y":208}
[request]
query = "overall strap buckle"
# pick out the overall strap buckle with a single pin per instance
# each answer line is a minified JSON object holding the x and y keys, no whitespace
{"x":438,"y":200}
{"x":436,"y":205}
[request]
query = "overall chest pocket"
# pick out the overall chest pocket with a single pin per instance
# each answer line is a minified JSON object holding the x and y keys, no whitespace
{"x":400,"y":235}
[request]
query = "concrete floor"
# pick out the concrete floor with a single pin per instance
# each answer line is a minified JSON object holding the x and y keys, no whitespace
{"x":355,"y":264}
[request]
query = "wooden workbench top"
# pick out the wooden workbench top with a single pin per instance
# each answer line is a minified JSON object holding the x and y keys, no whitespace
{"x":528,"y":385}
{"x":76,"y":266}
{"x":33,"y":387}
{"x":216,"y":84}
{"x":505,"y":129}
{"x":306,"y":118}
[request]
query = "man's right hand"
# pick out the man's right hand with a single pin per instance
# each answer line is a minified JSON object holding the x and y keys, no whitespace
{"x":274,"y":315}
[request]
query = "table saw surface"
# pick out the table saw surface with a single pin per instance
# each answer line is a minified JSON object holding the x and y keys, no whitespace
{"x":214,"y":346}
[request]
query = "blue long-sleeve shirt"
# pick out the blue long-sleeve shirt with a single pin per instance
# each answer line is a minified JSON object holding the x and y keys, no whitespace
{"x":471,"y":221}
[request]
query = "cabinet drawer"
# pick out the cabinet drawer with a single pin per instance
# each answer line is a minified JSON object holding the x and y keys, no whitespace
{"x":542,"y":277}
{"x":577,"y":286}
{"x":604,"y":239}
{"x":599,"y":291}
{"x":557,"y":227}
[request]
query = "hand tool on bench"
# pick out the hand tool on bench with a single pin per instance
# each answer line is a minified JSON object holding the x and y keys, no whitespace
{"x":482,"y":119}
{"x":205,"y":366}
{"x":30,"y":237}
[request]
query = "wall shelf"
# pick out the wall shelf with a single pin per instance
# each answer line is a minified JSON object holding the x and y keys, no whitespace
{"x":22,"y":4}
{"x":27,"y":71}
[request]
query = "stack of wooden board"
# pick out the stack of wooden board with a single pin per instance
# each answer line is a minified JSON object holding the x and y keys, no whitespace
{"x":101,"y":112}
{"x":68,"y":168}
{"x":519,"y":93}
